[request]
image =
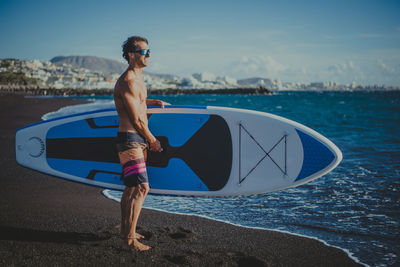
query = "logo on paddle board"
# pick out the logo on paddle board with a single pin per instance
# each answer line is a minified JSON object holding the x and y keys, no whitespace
{"x":35,"y":147}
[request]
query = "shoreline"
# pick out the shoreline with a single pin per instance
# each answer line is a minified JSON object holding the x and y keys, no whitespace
{"x":349,"y":254}
{"x":40,"y":91}
{"x":52,"y":221}
{"x":51,"y":91}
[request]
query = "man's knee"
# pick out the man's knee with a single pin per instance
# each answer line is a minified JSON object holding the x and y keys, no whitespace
{"x":143,"y":189}
{"x":128,"y":192}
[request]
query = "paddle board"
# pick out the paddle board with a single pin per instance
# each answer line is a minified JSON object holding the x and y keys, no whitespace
{"x":207,"y":151}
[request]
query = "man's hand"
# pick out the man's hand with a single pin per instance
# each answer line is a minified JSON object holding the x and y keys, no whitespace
{"x":155,"y":146}
{"x":157,"y":103}
{"x":162,"y":103}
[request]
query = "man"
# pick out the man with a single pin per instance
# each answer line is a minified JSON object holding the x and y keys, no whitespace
{"x":134,"y":137}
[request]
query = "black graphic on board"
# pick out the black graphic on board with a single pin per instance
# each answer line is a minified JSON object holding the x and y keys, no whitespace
{"x":208,"y":152}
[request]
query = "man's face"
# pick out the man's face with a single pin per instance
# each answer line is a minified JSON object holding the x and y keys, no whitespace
{"x":138,"y":59}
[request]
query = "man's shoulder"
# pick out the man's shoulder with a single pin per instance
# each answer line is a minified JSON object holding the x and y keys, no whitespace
{"x":129,"y":76}
{"x":126,"y":81}
{"x":129,"y":84}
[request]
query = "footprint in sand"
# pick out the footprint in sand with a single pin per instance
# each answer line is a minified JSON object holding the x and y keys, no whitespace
{"x":181,"y":233}
{"x":177,"y":259}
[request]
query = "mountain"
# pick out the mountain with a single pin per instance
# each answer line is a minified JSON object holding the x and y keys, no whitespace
{"x":92,"y":63}
{"x":107,"y":66}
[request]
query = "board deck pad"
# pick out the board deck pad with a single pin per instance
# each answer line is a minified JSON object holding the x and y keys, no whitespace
{"x":207,"y":151}
{"x":210,"y":161}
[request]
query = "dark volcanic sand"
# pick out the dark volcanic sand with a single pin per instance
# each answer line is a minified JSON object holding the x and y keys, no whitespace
{"x":49,"y":221}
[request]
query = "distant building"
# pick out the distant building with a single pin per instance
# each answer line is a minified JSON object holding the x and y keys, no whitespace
{"x":205,"y":77}
{"x":67,"y":76}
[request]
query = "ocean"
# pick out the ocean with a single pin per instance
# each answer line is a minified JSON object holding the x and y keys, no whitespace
{"x":356,"y":207}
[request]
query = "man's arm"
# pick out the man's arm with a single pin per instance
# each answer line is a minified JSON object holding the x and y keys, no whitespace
{"x":131,"y":98}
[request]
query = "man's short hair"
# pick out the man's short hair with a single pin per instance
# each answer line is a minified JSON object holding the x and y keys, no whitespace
{"x":131,"y":44}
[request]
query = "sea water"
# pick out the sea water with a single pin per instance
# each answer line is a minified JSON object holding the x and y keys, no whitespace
{"x":356,"y":207}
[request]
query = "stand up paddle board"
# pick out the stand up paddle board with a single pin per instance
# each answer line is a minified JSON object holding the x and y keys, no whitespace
{"x":207,"y":151}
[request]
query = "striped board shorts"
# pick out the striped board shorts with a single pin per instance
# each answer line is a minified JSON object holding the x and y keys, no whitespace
{"x":130,"y":148}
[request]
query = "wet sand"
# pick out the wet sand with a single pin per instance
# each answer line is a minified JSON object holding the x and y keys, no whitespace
{"x":49,"y":221}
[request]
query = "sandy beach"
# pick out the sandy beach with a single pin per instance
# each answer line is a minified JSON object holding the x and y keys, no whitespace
{"x":49,"y":221}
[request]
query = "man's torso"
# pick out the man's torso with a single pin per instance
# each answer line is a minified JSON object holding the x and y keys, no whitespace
{"x":122,"y":86}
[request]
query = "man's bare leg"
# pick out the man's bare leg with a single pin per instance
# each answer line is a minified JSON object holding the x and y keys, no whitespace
{"x":136,"y":201}
{"x":131,"y":205}
{"x":127,"y":195}
{"x":124,"y":219}
{"x":137,"y":235}
{"x":128,"y":204}
{"x":125,"y":210}
{"x":125,"y":215}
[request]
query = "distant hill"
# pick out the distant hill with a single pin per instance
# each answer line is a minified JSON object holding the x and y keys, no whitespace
{"x":107,"y":66}
{"x":92,"y":63}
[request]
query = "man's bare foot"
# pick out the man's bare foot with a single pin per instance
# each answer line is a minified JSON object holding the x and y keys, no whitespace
{"x":139,"y":246}
{"x":139,"y":236}
{"x":133,"y":243}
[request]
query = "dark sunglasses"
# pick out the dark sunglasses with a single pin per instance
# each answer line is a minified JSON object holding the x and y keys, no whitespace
{"x":143,"y":52}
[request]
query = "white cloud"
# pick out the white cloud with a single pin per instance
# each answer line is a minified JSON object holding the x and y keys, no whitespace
{"x":346,"y":68}
{"x":371,"y":72}
{"x":366,"y":72}
{"x":346,"y":72}
{"x":385,"y":68}
{"x":264,"y":66}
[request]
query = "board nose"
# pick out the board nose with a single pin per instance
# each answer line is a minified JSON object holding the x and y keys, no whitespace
{"x":20,"y":149}
{"x":28,"y":147}
{"x":318,"y":156}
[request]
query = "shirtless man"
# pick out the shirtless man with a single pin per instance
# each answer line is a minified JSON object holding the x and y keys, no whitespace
{"x":134,"y":137}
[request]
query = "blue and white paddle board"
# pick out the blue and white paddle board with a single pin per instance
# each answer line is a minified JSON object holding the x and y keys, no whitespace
{"x":207,"y":151}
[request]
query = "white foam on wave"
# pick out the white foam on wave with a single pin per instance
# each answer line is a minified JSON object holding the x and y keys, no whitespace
{"x":108,"y":194}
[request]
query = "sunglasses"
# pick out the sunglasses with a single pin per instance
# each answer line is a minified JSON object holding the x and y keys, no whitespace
{"x":143,"y":52}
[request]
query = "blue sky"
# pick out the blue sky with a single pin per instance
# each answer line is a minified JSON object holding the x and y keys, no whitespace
{"x":303,"y":41}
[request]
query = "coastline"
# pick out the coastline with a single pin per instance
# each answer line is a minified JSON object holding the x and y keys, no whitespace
{"x":47,"y":220}
{"x":35,"y":90}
